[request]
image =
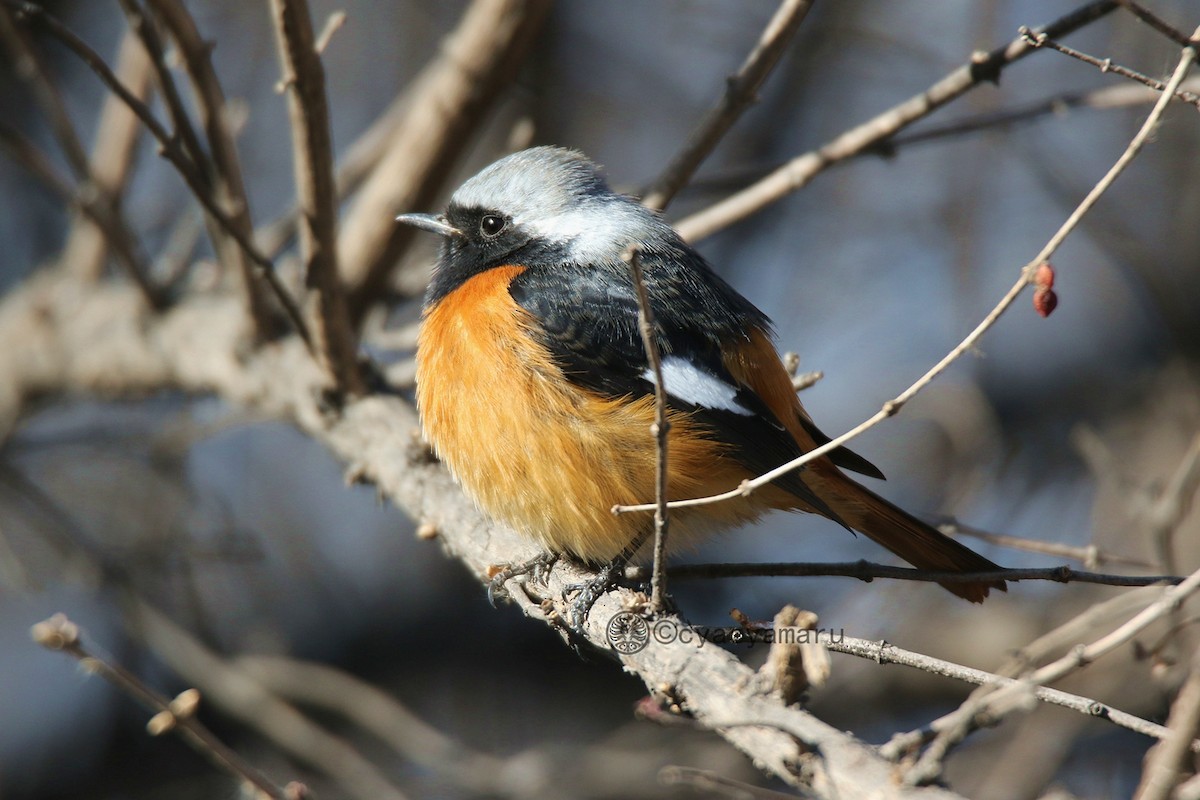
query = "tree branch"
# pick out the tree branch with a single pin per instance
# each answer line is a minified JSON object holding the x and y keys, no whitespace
{"x":169,"y":148}
{"x":448,"y":99}
{"x":1027,"y":276}
{"x":868,"y":571}
{"x":741,"y":92}
{"x":59,"y":633}
{"x":797,"y":173}
{"x":223,"y":168}
{"x":304,"y":78}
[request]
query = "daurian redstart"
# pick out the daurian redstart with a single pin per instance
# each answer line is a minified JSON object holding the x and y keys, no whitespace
{"x":534,"y":388}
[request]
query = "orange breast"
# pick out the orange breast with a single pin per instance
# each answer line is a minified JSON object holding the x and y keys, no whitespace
{"x":543,"y":455}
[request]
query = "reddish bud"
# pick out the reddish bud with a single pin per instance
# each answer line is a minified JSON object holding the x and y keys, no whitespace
{"x":1045,"y":301}
{"x":1043,"y":276}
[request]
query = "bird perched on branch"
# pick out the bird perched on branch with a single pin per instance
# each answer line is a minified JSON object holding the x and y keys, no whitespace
{"x":534,"y":387}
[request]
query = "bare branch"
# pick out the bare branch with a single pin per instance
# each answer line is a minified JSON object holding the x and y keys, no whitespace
{"x":169,"y":148}
{"x":1028,"y":272}
{"x":868,"y":571}
{"x":799,"y":171}
{"x":223,"y":169}
{"x":245,"y":699}
{"x":660,"y":430}
{"x":1158,"y":23}
{"x":448,"y":99}
{"x":89,"y":202}
{"x":1104,"y":65}
{"x":741,"y":92}
{"x":59,"y":633}
{"x":991,"y":704}
{"x":887,"y":653}
{"x":111,"y":161}
{"x":1171,"y":761}
{"x":304,"y":78}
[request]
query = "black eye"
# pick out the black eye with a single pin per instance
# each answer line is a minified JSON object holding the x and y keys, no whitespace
{"x":492,"y":225}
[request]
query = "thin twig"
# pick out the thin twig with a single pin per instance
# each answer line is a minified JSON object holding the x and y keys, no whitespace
{"x":660,"y":429}
{"x":111,"y":163}
{"x":1172,"y":760}
{"x":223,"y":168}
{"x":1105,"y":98}
{"x":741,"y":92}
{"x":1173,"y":504}
{"x":170,"y":149}
{"x":893,"y":406}
{"x":59,"y":633}
{"x":798,"y":172}
{"x":882,"y":652}
{"x":245,"y":699}
{"x":91,"y":205}
{"x":1091,"y":556}
{"x":381,"y":714}
{"x":1158,"y":23}
{"x":31,"y":69}
{"x":312,"y":147}
{"x":869,"y":571}
{"x":1103,"y":64}
{"x":991,"y":704}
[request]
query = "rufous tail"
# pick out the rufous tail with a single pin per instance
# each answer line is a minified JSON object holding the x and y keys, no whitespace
{"x":908,"y":537}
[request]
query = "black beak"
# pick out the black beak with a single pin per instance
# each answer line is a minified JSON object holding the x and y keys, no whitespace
{"x":428,"y":222}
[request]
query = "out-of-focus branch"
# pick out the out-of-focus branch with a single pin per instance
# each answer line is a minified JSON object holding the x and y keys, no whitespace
{"x":169,"y":148}
{"x":351,"y":170}
{"x":308,"y":109}
{"x":376,"y":711}
{"x":1158,"y":23}
{"x":223,"y":164}
{"x":1171,"y":761}
{"x":741,"y":92}
{"x":448,"y":99}
{"x":245,"y":699}
{"x":1091,"y":556}
{"x":31,"y":69}
{"x":799,"y":171}
{"x":111,"y":161}
{"x":59,"y":633}
{"x":90,"y":204}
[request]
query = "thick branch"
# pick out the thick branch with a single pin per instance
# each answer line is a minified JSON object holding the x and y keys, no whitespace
{"x":98,"y":340}
{"x":448,"y":99}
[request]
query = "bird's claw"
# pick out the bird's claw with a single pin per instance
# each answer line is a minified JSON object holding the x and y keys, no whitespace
{"x":536,"y":567}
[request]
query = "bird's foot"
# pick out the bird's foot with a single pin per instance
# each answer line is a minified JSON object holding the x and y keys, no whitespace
{"x":536,"y":567}
{"x":582,"y":596}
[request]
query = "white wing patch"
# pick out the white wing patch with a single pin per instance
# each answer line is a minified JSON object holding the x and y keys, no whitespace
{"x":691,"y":384}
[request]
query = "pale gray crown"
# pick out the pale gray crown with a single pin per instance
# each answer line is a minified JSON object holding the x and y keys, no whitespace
{"x":561,"y":196}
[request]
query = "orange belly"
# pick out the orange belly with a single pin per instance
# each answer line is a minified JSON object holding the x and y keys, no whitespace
{"x":549,"y":458}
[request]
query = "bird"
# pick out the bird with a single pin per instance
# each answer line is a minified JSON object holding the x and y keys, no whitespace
{"x":534,"y":387}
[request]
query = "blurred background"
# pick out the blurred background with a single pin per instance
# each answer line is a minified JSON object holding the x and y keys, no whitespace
{"x":1063,"y":430}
